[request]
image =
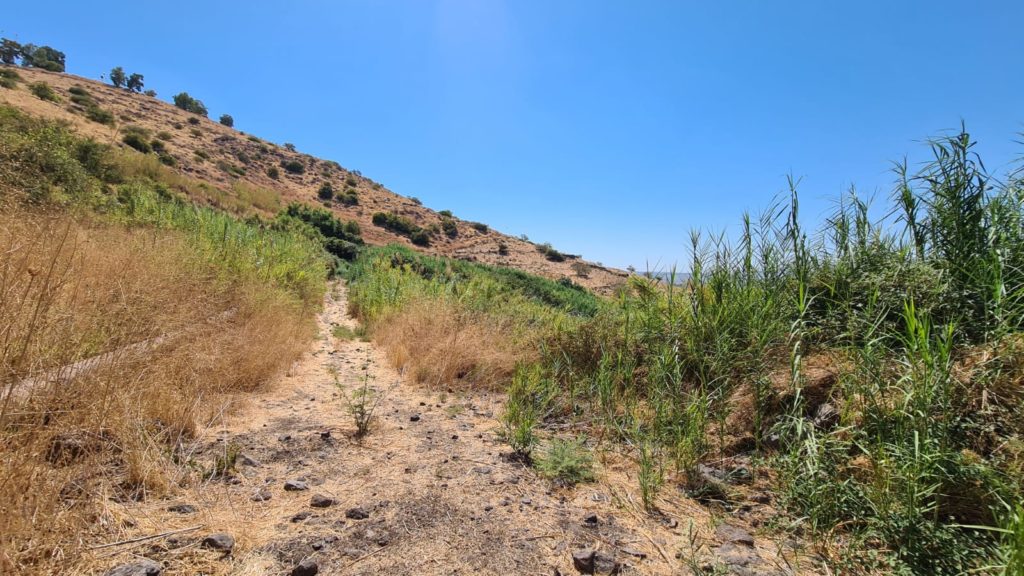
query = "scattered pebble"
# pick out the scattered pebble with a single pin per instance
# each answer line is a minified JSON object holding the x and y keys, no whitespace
{"x":145,"y":567}
{"x":295,"y":485}
{"x":357,"y":513}
{"x":219,"y":541}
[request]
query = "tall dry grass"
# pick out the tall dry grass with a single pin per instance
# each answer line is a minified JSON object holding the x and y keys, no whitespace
{"x":439,"y":344}
{"x":180,"y":337}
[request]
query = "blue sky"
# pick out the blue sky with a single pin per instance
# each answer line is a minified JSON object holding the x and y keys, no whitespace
{"x":606,"y":128}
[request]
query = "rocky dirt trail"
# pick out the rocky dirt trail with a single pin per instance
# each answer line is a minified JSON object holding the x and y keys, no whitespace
{"x":427,"y":491}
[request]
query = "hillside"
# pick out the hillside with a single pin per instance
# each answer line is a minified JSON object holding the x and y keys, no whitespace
{"x":236,"y":165}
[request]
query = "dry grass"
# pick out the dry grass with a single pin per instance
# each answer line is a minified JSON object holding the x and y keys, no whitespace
{"x":439,"y":344}
{"x":71,"y":439}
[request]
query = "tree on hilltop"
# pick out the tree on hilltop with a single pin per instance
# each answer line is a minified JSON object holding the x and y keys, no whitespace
{"x":117,"y":77}
{"x":135,"y":82}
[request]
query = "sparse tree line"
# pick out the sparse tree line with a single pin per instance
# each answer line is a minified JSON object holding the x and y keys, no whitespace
{"x":133,"y":82}
{"x":31,"y":56}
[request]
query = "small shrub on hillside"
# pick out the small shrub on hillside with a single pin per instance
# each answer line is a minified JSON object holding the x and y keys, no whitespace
{"x":230,"y":168}
{"x":158,"y":146}
{"x":326,"y":191}
{"x":342,"y":239}
{"x":567,"y":462}
{"x":393,"y":222}
{"x":480,"y":227}
{"x":195,"y":132}
{"x":293,"y":166}
{"x":243,"y":157}
{"x":445,"y":214}
{"x":273,"y":172}
{"x":227,"y":120}
{"x":351,"y":180}
{"x":201,"y":155}
{"x":349,"y":198}
{"x":43,"y":91}
{"x":167,"y":160}
{"x":416,"y":201}
{"x":502,"y":249}
{"x":150,"y":93}
{"x":137,"y":142}
{"x":189,"y":104}
{"x":420,"y":237}
{"x":550,"y":253}
{"x":193,"y":121}
{"x":164,"y":135}
{"x":582,"y":269}
{"x":9,"y":78}
{"x":77,"y":90}
{"x":449,"y":227}
{"x":289,"y":146}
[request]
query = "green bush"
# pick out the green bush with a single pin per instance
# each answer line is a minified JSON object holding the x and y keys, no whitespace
{"x":273,"y":172}
{"x":165,"y":136}
{"x":445,"y":214}
{"x":137,"y":142}
{"x":342,"y":239}
{"x":97,"y":114}
{"x":326,"y":191}
{"x":43,"y":91}
{"x":227,"y":120}
{"x":293,"y":166}
{"x":449,"y":227}
{"x":567,"y":462}
{"x":9,"y":78}
{"x":189,"y":104}
{"x":480,"y":227}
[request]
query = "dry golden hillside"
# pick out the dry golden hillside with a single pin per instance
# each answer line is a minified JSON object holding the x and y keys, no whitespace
{"x":235,"y":165}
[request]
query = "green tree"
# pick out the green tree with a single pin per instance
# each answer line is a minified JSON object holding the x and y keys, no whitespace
{"x":227,"y":120}
{"x":10,"y":51}
{"x":117,"y":77}
{"x":135,"y":83}
{"x":190,"y":104}
{"x":44,"y":57}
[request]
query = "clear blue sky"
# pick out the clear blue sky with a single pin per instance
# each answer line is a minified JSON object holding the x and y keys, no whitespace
{"x":607,"y":128}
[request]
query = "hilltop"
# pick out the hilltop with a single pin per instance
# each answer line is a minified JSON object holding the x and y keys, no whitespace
{"x":246,"y":174}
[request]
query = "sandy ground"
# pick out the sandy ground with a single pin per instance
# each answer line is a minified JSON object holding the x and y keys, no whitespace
{"x":438,"y":495}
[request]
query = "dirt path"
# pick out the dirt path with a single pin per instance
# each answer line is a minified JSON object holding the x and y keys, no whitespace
{"x":426,"y":492}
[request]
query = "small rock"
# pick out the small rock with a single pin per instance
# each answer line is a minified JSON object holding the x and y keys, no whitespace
{"x":488,"y":508}
{"x":307,"y":567}
{"x":219,"y":541}
{"x":261,"y":495}
{"x":604,"y":564}
{"x":414,"y":418}
{"x":143,"y":567}
{"x":248,"y":461}
{"x":357,"y":513}
{"x":353,"y":552}
{"x":295,"y":485}
{"x":321,"y":501}
{"x":525,"y":501}
{"x":301,"y":516}
{"x":583,"y":560}
{"x":590,"y":520}
{"x":762,"y":498}
{"x":634,"y":553}
{"x":182,"y":509}
{"x":482,"y":469}
{"x":739,"y":559}
{"x":826,"y":416}
{"x":325,"y":435}
{"x":726,"y":533}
